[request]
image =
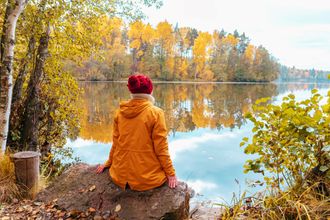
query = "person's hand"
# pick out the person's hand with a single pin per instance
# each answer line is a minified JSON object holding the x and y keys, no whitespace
{"x":172,"y":181}
{"x":100,"y":169}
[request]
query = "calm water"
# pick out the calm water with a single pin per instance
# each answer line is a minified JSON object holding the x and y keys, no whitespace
{"x":205,"y":123}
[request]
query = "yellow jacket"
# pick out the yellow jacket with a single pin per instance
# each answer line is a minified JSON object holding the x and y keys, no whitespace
{"x":139,"y":155}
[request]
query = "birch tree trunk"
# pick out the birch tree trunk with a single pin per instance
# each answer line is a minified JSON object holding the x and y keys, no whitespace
{"x":4,"y":30}
{"x":6,"y":75}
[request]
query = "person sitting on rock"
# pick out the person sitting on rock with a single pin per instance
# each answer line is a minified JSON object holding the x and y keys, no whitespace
{"x":139,"y":157}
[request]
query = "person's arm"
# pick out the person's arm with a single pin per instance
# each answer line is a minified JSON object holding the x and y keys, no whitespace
{"x":115,"y":136}
{"x":159,"y":137}
{"x":113,"y":148}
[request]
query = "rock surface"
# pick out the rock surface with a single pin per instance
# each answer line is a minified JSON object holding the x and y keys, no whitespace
{"x":81,"y":189}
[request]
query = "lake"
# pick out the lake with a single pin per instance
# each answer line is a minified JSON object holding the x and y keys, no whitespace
{"x":205,"y":123}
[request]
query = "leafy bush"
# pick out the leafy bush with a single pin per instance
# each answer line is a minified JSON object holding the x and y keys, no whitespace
{"x":291,"y":144}
{"x":290,"y":140}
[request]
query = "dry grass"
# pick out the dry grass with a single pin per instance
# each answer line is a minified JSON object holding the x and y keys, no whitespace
{"x":298,"y":203}
{"x":8,"y":188}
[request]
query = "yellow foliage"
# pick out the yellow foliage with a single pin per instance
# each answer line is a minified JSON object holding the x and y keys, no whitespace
{"x":170,"y":64}
{"x":148,"y":34}
{"x":249,"y":53}
{"x":139,"y":35}
{"x":201,"y":50}
{"x":183,"y":68}
{"x":8,"y":188}
{"x":207,"y":74}
{"x":165,"y":37}
{"x":230,"y":39}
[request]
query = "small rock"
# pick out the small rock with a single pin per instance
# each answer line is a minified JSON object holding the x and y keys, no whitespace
{"x":106,"y":214}
{"x":15,"y":201}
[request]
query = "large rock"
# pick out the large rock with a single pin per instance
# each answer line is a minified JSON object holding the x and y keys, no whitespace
{"x":80,"y":188}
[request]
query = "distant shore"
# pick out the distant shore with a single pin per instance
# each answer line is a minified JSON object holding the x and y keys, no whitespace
{"x":206,"y":82}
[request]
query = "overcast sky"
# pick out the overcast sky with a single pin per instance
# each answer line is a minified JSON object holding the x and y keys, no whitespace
{"x":297,"y":32}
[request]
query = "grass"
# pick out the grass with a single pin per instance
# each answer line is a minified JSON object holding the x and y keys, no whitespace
{"x":8,"y":188}
{"x":299,"y":203}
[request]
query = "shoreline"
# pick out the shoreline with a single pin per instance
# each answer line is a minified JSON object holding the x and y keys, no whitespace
{"x":203,"y":82}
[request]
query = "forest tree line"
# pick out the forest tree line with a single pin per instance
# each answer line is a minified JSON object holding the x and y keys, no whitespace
{"x":169,"y":52}
{"x":288,"y":74}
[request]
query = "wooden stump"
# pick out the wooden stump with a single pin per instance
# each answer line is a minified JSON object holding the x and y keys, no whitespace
{"x":27,"y":171}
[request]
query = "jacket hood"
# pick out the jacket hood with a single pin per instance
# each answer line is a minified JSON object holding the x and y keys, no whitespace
{"x":134,"y":107}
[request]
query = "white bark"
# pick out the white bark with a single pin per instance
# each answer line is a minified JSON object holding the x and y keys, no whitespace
{"x":6,"y":70}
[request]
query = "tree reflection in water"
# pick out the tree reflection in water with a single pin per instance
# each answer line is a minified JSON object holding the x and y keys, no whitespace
{"x":187,"y":106}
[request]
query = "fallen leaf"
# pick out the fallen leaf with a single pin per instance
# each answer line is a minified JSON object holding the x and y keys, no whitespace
{"x":118,"y":208}
{"x":97,"y":217}
{"x":91,"y":209}
{"x":35,"y":212}
{"x":37,"y":203}
{"x":92,"y":188}
{"x":55,"y":200}
{"x":73,"y":213}
{"x":82,"y":190}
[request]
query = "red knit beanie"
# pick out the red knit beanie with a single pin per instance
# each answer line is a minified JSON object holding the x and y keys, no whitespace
{"x":139,"y":83}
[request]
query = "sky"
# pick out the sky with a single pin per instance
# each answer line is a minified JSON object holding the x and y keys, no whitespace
{"x":296,"y":32}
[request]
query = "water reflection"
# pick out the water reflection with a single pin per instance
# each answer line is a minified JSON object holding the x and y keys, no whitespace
{"x":187,"y":106}
{"x":206,"y":127}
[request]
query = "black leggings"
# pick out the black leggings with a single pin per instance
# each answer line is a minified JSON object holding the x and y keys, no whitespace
{"x":127,"y":186}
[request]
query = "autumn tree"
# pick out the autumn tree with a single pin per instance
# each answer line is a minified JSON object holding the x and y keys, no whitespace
{"x":11,"y":15}
{"x":201,"y":52}
{"x":164,"y":49}
{"x":218,"y":57}
{"x":181,"y":51}
{"x":62,"y":31}
{"x":141,"y":37}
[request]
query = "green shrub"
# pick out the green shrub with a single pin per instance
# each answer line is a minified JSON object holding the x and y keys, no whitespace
{"x":290,"y":140}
